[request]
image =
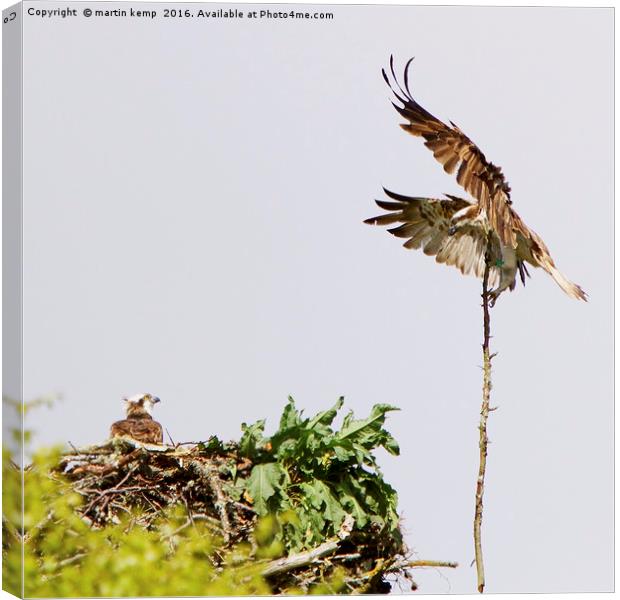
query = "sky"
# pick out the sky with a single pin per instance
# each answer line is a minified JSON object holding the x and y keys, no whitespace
{"x":194,"y":191}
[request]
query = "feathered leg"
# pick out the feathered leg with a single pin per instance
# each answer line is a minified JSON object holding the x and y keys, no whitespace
{"x":508,"y":272}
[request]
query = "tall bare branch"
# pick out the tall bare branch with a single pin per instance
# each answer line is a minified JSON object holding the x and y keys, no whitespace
{"x":484,"y":415}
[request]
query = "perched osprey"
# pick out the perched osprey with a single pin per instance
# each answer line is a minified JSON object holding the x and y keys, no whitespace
{"x":458,"y":231}
{"x":139,"y":424}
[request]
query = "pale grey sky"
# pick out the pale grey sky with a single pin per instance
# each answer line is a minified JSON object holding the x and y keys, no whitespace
{"x":193,"y":204}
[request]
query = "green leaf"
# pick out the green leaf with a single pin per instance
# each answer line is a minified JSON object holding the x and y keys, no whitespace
{"x":262,"y":484}
{"x":327,"y":416}
{"x":353,"y":505}
{"x":213,"y":444}
{"x":291,"y":417}
{"x":369,"y":432}
{"x":252,"y":438}
{"x":390,"y":444}
{"x":351,"y":427}
{"x":332,"y":510}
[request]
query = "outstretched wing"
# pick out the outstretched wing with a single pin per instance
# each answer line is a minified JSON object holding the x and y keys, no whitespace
{"x":425,"y":222}
{"x":141,"y":430}
{"x":531,"y":249}
{"x":456,"y":152}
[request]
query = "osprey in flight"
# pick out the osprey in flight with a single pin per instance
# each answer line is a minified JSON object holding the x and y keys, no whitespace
{"x":457,"y":231}
{"x":139,"y":424}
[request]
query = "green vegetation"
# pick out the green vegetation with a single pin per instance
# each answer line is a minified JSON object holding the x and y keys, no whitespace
{"x":65,"y":556}
{"x":304,"y":510}
{"x":322,"y":474}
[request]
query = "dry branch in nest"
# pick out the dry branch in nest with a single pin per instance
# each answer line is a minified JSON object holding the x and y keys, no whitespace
{"x":125,"y":477}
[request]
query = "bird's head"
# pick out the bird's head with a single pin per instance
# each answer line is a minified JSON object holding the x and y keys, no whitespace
{"x":140,"y":403}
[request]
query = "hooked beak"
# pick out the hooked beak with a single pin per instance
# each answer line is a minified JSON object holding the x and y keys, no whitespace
{"x":156,"y":400}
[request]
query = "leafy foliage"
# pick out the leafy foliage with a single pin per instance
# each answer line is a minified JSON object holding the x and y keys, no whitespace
{"x":298,"y":484}
{"x":65,"y":557}
{"x":322,"y":474}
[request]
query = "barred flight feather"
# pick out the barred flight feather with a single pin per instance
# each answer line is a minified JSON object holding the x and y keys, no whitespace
{"x":459,"y":232}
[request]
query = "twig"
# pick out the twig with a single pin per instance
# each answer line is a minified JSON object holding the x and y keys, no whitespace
{"x":346,"y":557}
{"x":185,"y":525}
{"x":123,"y":442}
{"x":243,"y":507}
{"x":369,"y":577}
{"x":211,"y":520}
{"x":112,"y":490}
{"x":72,"y":559}
{"x":104,"y":493}
{"x":152,"y":502}
{"x":302,"y":559}
{"x":103,"y":470}
{"x":484,"y":415}
{"x":170,"y":438}
{"x":429,"y":563}
{"x":220,"y":503}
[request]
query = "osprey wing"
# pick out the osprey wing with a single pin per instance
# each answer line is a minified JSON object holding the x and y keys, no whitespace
{"x":456,"y":152}
{"x":145,"y":430}
{"x":425,"y":222}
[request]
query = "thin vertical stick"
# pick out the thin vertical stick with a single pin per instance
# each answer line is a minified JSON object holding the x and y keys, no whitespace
{"x":484,"y":415}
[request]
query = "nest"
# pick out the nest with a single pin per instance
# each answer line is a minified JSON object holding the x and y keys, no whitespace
{"x":124,"y":476}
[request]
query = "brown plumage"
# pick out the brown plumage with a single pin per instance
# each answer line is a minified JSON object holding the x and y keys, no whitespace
{"x":139,"y":424}
{"x":453,"y":149}
{"x":457,"y":231}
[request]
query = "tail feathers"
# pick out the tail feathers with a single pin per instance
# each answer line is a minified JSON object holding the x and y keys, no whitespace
{"x":572,"y":289}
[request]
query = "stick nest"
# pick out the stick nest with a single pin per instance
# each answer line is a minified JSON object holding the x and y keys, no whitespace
{"x":125,"y":477}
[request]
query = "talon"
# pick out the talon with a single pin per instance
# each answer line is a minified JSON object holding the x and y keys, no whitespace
{"x":493,"y":296}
